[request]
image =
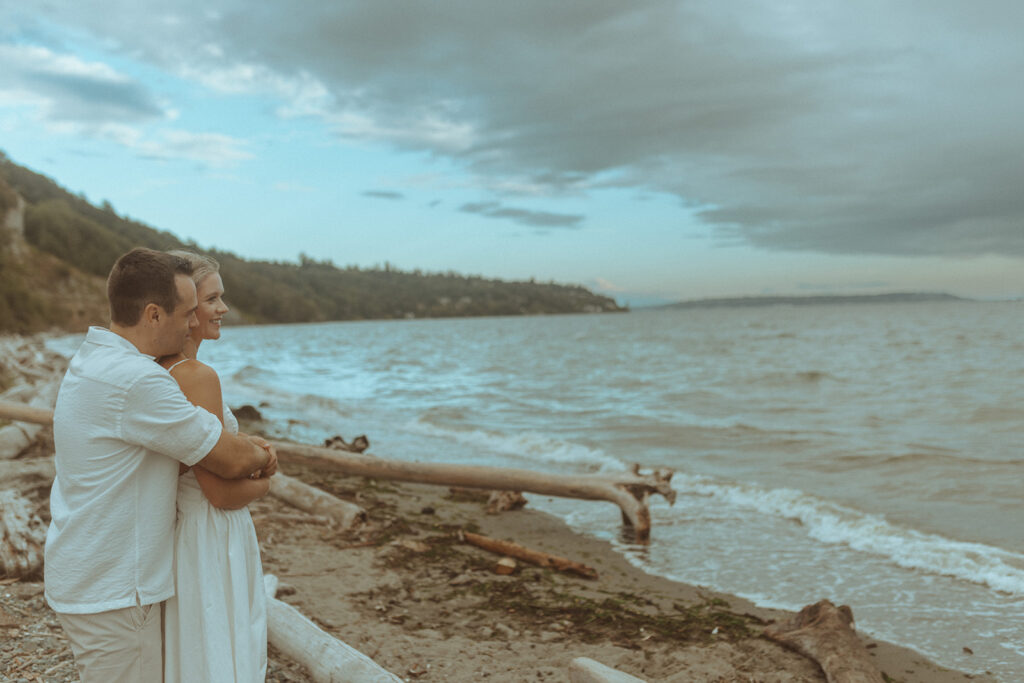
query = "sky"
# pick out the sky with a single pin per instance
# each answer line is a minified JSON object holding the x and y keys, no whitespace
{"x":649,"y":150}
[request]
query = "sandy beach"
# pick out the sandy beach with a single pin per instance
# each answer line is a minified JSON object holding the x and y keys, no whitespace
{"x":429,"y":608}
{"x":406,"y":592}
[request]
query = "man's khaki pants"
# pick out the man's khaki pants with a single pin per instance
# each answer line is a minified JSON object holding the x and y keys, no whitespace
{"x":119,"y":646}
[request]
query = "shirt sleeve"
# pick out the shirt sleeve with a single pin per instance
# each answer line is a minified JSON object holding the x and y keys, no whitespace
{"x":157,"y":416}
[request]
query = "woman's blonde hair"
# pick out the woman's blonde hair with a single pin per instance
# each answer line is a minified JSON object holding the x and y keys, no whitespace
{"x":202,"y":266}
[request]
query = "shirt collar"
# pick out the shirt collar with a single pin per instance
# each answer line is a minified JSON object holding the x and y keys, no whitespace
{"x":104,"y":337}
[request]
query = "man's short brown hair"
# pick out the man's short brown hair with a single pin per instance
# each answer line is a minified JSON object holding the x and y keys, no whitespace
{"x":140,"y":277}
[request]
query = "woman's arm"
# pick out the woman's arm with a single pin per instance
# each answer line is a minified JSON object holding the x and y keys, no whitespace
{"x":201,"y":386}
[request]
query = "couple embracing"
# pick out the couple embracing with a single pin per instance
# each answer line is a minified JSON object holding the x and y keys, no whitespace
{"x":152,"y":563}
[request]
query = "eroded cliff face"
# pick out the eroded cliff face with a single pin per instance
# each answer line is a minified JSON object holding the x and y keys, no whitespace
{"x":39,"y":292}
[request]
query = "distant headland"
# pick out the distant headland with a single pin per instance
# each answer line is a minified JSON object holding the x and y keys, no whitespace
{"x":817,"y":300}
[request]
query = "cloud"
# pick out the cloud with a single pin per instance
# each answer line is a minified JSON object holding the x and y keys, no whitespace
{"x":69,"y":89}
{"x":384,"y":194}
{"x":840,"y":127}
{"x":537,"y":219}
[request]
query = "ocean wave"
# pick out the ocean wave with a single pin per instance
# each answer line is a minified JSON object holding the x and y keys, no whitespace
{"x":833,"y":524}
{"x":529,"y":446}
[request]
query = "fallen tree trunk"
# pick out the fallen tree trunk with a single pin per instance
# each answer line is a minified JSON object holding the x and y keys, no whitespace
{"x":824,"y":633}
{"x":29,"y":473}
{"x":629,"y":491}
{"x":20,"y":412}
{"x":328,"y":659}
{"x":15,"y":438}
{"x":314,"y":501}
{"x":536,"y":557}
{"x":586,"y":670}
{"x":22,"y":535}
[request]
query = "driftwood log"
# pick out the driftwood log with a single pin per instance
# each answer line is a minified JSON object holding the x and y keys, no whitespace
{"x":22,"y":535}
{"x":308,"y":498}
{"x":344,"y":514}
{"x":15,"y":438}
{"x":328,"y":659}
{"x":536,"y":557}
{"x":586,"y":670}
{"x":630,"y":491}
{"x":824,"y":633}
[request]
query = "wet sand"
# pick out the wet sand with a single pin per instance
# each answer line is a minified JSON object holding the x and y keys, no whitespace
{"x":427,"y":607}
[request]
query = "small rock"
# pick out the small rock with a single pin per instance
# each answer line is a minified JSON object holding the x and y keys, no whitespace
{"x":505,"y":565}
{"x":968,"y":651}
{"x":427,"y":511}
{"x":461,"y":580}
{"x":486,"y":632}
{"x":505,"y":630}
{"x":548,"y":636}
{"x":247,"y":413}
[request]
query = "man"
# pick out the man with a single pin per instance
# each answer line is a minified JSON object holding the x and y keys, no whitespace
{"x":121,"y":428}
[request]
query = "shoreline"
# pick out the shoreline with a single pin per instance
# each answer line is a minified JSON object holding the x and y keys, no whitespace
{"x":405,"y":593}
{"x":428,"y":608}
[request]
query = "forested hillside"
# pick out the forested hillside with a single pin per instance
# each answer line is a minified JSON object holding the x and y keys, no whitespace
{"x":56,"y":250}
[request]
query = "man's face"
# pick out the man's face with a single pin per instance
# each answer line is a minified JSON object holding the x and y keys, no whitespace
{"x":175,"y":326}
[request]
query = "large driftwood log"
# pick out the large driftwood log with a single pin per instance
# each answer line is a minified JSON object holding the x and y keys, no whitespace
{"x":15,"y":438}
{"x":824,"y":633}
{"x":536,"y":557}
{"x":29,"y":473}
{"x":328,"y":659}
{"x":19,"y":412}
{"x":586,"y":670}
{"x":314,"y":501}
{"x":22,"y":535}
{"x":629,"y":491}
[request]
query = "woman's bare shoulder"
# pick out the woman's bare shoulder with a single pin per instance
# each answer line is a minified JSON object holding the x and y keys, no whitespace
{"x":194,"y":372}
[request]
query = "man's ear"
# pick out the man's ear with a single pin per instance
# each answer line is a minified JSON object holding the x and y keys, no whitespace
{"x":152,"y":313}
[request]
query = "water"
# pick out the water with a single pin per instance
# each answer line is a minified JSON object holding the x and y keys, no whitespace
{"x":866,"y":454}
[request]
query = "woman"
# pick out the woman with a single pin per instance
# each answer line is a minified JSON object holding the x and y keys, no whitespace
{"x":216,"y":625}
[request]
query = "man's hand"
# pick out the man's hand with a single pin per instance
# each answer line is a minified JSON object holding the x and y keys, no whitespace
{"x":271,"y":467}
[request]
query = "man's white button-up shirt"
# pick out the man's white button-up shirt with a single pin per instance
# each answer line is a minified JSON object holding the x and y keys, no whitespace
{"x":120,"y":427}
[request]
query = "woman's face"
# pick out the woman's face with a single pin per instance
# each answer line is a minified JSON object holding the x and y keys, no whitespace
{"x":212,"y":308}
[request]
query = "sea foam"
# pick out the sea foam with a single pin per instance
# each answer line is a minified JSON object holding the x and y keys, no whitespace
{"x":834,"y":524}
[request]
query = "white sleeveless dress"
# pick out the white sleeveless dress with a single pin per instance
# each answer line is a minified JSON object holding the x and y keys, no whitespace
{"x":215,"y":627}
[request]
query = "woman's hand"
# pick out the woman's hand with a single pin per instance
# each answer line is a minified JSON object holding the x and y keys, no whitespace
{"x":270,"y":468}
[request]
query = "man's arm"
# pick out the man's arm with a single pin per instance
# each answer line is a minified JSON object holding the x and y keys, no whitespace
{"x":235,"y":457}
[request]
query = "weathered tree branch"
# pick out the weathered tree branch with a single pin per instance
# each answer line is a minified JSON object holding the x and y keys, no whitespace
{"x":328,"y":659}
{"x":825,"y":633}
{"x":536,"y":557}
{"x":586,"y":670}
{"x":311,"y":499}
{"x":22,"y":534}
{"x":629,"y":491}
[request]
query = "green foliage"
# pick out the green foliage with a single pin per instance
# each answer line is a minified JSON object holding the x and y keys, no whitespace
{"x":55,"y":227}
{"x":22,"y":309}
{"x":91,"y":238}
{"x":8,"y":199}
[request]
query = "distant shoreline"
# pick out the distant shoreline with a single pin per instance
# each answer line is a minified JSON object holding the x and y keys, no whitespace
{"x":758,"y":301}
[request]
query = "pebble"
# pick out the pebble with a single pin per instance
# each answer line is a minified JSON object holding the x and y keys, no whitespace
{"x":506,"y":631}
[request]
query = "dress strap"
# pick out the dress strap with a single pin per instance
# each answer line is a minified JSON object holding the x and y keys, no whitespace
{"x":183,"y":360}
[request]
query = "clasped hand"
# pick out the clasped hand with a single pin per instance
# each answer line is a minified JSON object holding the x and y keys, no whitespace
{"x":270,"y":468}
